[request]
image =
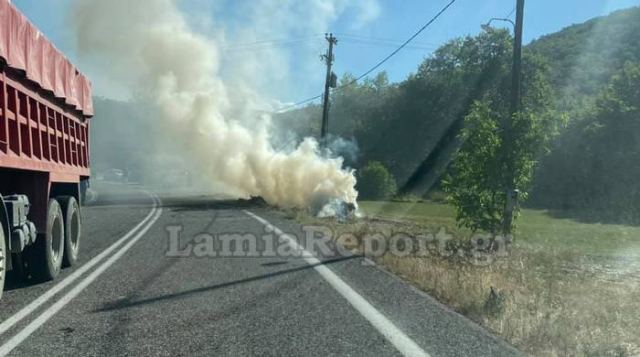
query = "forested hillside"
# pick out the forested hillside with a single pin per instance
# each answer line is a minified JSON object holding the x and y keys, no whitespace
{"x":582,"y":58}
{"x":592,"y":168}
{"x":413,"y":127}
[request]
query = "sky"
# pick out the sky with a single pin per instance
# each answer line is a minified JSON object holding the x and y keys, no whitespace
{"x":366,"y":33}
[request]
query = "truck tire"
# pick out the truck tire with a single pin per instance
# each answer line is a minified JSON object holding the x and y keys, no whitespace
{"x":3,"y":260}
{"x":44,"y":258}
{"x":72,"y":229}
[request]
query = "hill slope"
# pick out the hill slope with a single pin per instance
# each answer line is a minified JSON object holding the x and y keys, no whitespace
{"x":583,"y":57}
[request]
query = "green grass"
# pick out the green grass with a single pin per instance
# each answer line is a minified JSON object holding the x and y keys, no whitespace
{"x":568,"y":288}
{"x":536,"y":229}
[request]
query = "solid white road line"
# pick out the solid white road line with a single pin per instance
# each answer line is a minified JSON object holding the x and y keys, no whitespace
{"x":402,"y":342}
{"x":13,"y":342}
{"x":25,"y":311}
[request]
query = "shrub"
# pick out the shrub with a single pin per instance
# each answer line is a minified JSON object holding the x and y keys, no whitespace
{"x":375,"y":182}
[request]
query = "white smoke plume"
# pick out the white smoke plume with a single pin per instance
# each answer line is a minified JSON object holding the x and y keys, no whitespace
{"x":149,"y":48}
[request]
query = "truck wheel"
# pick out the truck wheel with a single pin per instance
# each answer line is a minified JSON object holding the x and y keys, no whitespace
{"x":3,"y":260}
{"x":45,"y":256}
{"x":72,"y":229}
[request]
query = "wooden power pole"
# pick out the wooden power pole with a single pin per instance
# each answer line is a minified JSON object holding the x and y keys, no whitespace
{"x":516,"y":100}
{"x":330,"y":82}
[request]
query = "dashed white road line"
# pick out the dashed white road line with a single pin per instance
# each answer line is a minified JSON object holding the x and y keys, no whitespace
{"x":16,"y":340}
{"x":403,"y":343}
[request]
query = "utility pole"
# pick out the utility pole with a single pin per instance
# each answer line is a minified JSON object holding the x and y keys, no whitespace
{"x":330,"y":82}
{"x":509,"y":139}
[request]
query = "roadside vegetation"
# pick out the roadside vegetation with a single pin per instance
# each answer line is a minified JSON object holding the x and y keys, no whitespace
{"x":568,"y":284}
{"x":565,"y":288}
{"x":375,"y":182}
{"x":579,"y":148}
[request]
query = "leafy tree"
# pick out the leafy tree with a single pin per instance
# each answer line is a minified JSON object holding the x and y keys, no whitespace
{"x":473,"y":187}
{"x":375,"y":182}
{"x":425,"y":115}
{"x":403,"y":125}
{"x":480,"y":175}
{"x":357,"y":108}
{"x":594,"y":168}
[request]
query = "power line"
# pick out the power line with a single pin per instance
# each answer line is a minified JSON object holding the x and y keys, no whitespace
{"x":511,"y":13}
{"x":403,"y":45}
{"x":311,"y":40}
{"x":384,"y":44}
{"x":267,"y":43}
{"x":384,"y":60}
{"x":282,"y":46}
{"x":259,"y":42}
{"x":379,"y":39}
{"x":299,"y":103}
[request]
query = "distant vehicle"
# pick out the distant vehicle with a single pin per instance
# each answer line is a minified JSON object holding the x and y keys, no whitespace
{"x":45,"y":106}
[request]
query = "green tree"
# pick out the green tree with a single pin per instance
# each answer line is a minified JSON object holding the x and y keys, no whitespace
{"x":594,"y":168}
{"x":478,"y":179}
{"x":424,"y":113}
{"x":375,"y":182}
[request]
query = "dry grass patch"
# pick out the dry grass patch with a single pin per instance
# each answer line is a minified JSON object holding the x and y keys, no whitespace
{"x":548,"y":296}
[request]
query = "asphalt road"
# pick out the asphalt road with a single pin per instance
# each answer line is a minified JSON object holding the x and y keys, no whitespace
{"x":128,"y":297}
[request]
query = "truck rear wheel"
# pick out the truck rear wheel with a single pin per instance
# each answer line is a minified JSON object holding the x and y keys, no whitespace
{"x":45,"y":256}
{"x":3,"y":259}
{"x":72,"y":229}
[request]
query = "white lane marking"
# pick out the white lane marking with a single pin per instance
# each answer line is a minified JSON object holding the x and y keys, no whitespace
{"x":16,"y":340}
{"x":402,"y":342}
{"x":25,"y":311}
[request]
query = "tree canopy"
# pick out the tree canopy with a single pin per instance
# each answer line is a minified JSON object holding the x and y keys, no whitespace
{"x":414,"y":127}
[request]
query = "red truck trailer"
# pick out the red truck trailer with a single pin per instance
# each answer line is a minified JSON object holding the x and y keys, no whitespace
{"x":45,"y":106}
